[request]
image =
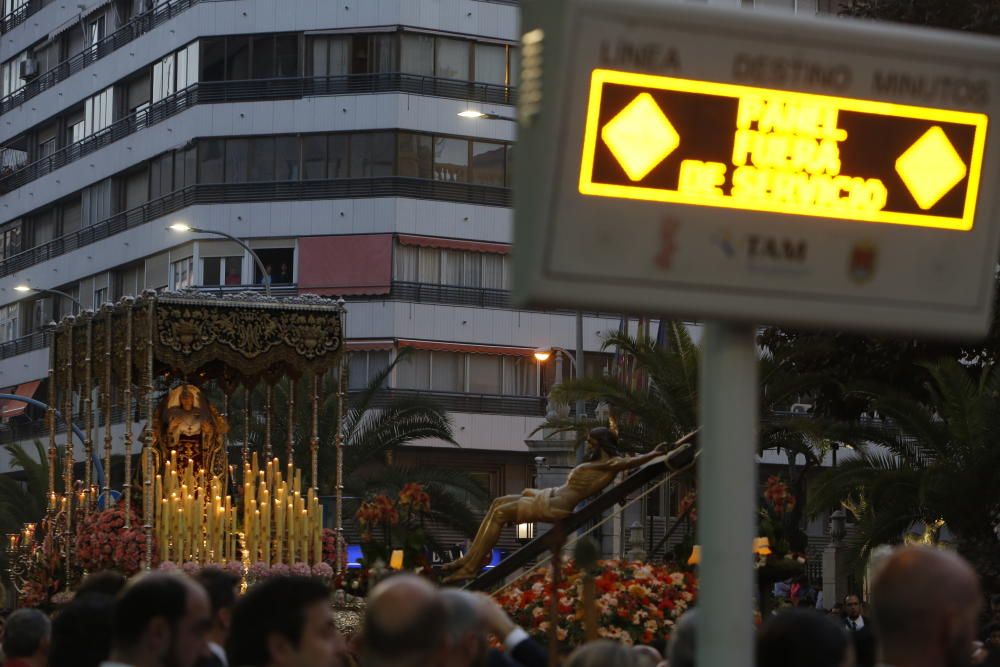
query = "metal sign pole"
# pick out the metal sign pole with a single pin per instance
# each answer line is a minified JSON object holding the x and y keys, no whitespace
{"x":727,"y":479}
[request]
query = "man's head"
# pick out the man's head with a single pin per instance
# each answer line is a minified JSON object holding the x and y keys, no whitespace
{"x":601,"y":440}
{"x":803,"y":637}
{"x":403,"y":625}
{"x":993,"y":634}
{"x":465,"y":630}
{"x":681,"y":648}
{"x":285,"y":622}
{"x":925,"y":602}
{"x":161,"y":619}
{"x":223,"y":589}
{"x":852,"y":606}
{"x":27,"y":636}
{"x":105,"y":582}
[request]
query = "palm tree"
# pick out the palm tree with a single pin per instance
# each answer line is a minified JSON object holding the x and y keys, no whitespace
{"x":929,"y":464}
{"x":24,"y":500}
{"x":664,"y":406}
{"x":375,"y":426}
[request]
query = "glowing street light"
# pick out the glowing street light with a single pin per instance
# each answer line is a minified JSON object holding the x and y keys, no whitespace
{"x":183,"y":227}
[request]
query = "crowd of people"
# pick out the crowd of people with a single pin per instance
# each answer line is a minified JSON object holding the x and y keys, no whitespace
{"x":925,"y":612}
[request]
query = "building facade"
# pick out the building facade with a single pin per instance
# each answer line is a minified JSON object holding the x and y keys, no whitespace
{"x":324,"y":134}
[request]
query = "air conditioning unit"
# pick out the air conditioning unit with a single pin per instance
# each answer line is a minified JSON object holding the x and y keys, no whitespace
{"x":29,"y":69}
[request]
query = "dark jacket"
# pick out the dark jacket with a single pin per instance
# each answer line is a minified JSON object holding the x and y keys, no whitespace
{"x":528,"y":653}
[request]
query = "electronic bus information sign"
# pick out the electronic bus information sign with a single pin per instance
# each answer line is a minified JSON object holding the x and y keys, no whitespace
{"x":684,"y":160}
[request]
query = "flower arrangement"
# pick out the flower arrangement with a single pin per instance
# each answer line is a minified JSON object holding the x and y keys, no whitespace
{"x":300,"y":570}
{"x":401,"y":524}
{"x":168,"y":566}
{"x":191,"y":568}
{"x":103,"y":542}
{"x":689,"y":505}
{"x":636,"y":602}
{"x":235,"y":567}
{"x":778,"y":496}
{"x":323,"y":571}
{"x":280,"y":570}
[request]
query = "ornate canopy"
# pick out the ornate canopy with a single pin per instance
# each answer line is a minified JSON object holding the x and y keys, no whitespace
{"x":234,"y":339}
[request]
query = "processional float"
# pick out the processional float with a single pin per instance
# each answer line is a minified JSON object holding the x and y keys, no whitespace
{"x":154,"y":360}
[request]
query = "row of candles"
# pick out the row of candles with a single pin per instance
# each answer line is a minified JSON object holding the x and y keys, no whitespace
{"x":196,"y":520}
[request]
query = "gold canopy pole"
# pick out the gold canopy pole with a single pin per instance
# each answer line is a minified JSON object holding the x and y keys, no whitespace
{"x":291,"y":422}
{"x":68,"y":471}
{"x":50,"y":415}
{"x":127,"y":407}
{"x":106,"y":405}
{"x":246,"y":426}
{"x":339,"y":444}
{"x":88,"y":417}
{"x":147,"y":451}
{"x":267,"y":421}
{"x":314,"y":440}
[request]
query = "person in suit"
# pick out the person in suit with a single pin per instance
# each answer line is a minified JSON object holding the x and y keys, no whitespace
{"x":160,"y":620}
{"x":223,"y":590}
{"x":285,"y":622}
{"x":862,"y":634}
{"x":469,"y":620}
{"x":926,"y":602}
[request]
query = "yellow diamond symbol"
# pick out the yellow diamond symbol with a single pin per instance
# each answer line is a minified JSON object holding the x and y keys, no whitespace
{"x":640,"y":136}
{"x":930,"y":168}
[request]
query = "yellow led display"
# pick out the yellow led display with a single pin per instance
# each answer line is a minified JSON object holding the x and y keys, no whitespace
{"x":705,"y":143}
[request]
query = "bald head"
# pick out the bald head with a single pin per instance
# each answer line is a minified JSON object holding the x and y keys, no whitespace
{"x":921,"y":595}
{"x":404,"y":623}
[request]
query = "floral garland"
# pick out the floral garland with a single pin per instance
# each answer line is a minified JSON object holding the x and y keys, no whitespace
{"x":636,"y":602}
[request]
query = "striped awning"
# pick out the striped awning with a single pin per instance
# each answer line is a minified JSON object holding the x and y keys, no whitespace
{"x":453,"y":244}
{"x":11,"y":408}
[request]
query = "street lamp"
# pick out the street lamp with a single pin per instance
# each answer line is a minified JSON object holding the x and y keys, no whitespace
{"x":476,"y":115}
{"x":265,"y":274}
{"x":25,"y":289}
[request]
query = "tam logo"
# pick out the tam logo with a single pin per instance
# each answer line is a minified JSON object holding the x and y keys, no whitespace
{"x":776,"y":250}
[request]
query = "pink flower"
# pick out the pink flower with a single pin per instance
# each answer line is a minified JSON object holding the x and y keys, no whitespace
{"x":322,"y":571}
{"x":168,"y":566}
{"x":280,"y":570}
{"x":191,"y":568}
{"x":299,"y":570}
{"x":235,"y":567}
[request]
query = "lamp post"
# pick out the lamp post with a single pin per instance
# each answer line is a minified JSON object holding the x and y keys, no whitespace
{"x":543,"y":355}
{"x":25,"y":289}
{"x":477,"y":115}
{"x":265,"y":274}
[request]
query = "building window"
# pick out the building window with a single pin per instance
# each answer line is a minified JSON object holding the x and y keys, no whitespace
{"x":459,"y":372}
{"x":373,"y":154}
{"x":364,"y":367}
{"x":452,"y":59}
{"x":100,"y":297}
{"x":237,"y":152}
{"x":8,"y":322}
{"x":488,"y":162}
{"x":451,"y":159}
{"x":414,"y":370}
{"x":182,"y":273}
{"x":491,"y":63}
{"x":222,"y":271}
{"x":210,"y":160}
{"x":415,"y":155}
{"x":417,"y":54}
{"x":10,"y":239}
{"x":10,"y":74}
{"x":279,"y":263}
{"x":99,"y":111}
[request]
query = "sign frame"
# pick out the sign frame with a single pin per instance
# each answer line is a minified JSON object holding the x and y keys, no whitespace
{"x":586,"y":256}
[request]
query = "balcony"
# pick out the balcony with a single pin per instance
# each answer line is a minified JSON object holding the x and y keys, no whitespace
{"x":38,"y":340}
{"x":129,"y":32}
{"x":19,"y":15}
{"x":226,"y":193}
{"x":450,"y":295}
{"x":19,"y":173}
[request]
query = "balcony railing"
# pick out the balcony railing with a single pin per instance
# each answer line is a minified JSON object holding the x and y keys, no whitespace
{"x":226,"y":193}
{"x":214,"y":92}
{"x":451,"y":295}
{"x":39,"y":340}
{"x":19,"y":15}
{"x":129,"y":32}
{"x":484,"y":404}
